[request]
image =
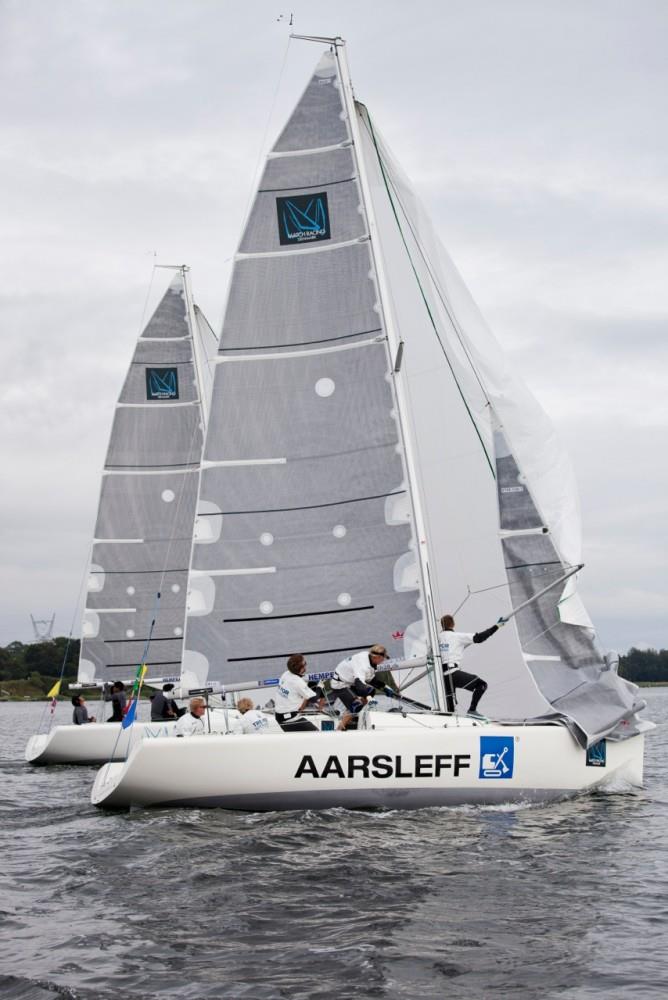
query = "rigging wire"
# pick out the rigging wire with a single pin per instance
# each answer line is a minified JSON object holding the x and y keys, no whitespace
{"x":260,"y":156}
{"x":75,"y":618}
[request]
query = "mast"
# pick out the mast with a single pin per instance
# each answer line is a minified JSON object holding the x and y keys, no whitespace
{"x":395,"y":349}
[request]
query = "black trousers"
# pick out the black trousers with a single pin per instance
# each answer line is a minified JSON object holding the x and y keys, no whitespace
{"x":293,"y":722}
{"x":470,"y":682}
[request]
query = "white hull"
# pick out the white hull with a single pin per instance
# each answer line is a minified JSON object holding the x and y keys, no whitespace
{"x":396,"y":762}
{"x":97,"y":743}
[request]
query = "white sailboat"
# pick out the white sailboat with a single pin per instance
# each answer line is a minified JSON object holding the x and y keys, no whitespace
{"x":143,"y":534}
{"x":371,"y":461}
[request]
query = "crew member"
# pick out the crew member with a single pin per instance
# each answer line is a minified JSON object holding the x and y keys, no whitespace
{"x":251,"y":720}
{"x":293,"y":694}
{"x":163,"y":706}
{"x":192,"y":723}
{"x":118,"y":701}
{"x":452,"y":645}
{"x":356,"y":678}
{"x":80,"y":714}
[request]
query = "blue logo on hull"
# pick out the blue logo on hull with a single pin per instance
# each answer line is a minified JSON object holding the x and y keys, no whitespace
{"x":497,"y":757}
{"x":162,"y":383}
{"x":596,"y":754}
{"x":303,"y":218}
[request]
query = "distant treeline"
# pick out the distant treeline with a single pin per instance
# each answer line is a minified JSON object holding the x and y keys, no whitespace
{"x":38,"y":664}
{"x":30,"y":670}
{"x":649,"y":665}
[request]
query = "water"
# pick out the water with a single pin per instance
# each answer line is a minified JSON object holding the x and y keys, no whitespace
{"x":567,"y":900}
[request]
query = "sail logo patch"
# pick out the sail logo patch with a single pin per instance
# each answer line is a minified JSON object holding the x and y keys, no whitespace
{"x":497,"y":757}
{"x":303,"y":218}
{"x":162,"y":383}
{"x":596,"y":754}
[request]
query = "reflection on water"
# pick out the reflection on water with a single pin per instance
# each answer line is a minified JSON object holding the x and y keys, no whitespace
{"x":565,"y":900}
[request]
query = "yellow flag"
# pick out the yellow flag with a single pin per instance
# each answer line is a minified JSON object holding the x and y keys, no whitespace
{"x":55,"y":690}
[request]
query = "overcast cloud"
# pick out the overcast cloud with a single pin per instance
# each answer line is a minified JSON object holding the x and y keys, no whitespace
{"x":534,"y":132}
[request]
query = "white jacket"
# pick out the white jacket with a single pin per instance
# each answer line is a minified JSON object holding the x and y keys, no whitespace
{"x":190,"y":725}
{"x":452,"y":646}
{"x":291,"y":692}
{"x":355,"y":667}
{"x":251,"y":722}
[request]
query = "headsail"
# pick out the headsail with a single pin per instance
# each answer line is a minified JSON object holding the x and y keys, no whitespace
{"x":567,"y":665}
{"x":304,"y":538}
{"x":143,"y":534}
{"x":489,"y":451}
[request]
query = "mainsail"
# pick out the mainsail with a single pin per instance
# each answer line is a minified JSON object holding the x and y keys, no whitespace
{"x":143,"y":534}
{"x":304,"y":539}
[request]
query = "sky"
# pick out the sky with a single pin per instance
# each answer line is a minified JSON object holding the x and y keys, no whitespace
{"x":131,"y":134}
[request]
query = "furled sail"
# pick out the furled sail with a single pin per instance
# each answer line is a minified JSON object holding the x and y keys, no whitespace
{"x":304,"y":539}
{"x":489,"y":452}
{"x":143,"y":534}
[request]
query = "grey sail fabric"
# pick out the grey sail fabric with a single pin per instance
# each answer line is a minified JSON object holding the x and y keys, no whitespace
{"x":143,"y":534}
{"x":565,"y":662}
{"x":304,"y":537}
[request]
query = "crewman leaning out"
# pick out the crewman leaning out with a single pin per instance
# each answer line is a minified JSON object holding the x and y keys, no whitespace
{"x":357,"y":678}
{"x":452,"y":645}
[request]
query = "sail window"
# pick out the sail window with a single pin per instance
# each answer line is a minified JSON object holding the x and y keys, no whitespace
{"x":325,"y":387}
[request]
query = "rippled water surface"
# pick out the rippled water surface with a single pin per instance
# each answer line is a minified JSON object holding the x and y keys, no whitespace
{"x":567,"y":900}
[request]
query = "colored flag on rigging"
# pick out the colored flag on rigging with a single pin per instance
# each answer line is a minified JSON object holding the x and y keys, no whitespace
{"x":131,"y":712}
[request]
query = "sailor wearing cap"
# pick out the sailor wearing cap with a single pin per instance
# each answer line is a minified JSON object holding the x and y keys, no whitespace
{"x":355,"y":678}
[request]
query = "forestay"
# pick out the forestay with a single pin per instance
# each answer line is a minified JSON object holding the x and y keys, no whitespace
{"x":304,"y":539}
{"x":143,"y":534}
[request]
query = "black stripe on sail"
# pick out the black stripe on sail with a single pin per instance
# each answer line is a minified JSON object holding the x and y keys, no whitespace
{"x":314,"y":506}
{"x":301,"y":343}
{"x":301,"y":614}
{"x":160,"y":465}
{"x":307,"y":652}
{"x":552,"y":562}
{"x":149,"y":663}
{"x":176,"y":638}
{"x":134,"y":572}
{"x":307,"y":187}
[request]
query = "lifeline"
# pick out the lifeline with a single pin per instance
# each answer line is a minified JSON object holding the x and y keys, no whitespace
{"x":385,"y":766}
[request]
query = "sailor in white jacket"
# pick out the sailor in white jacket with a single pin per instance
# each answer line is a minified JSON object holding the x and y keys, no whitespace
{"x":452,"y":645}
{"x":250,"y":721}
{"x":292,"y":696}
{"x":192,"y":723}
{"x":355,"y":678}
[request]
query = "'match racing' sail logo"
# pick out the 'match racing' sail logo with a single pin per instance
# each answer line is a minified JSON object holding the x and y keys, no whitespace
{"x":162,"y":383}
{"x":304,"y":218}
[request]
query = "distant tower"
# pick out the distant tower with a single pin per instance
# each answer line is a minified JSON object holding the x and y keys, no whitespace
{"x":43,"y":628}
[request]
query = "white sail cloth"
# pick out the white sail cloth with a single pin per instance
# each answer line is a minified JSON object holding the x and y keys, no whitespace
{"x":462,"y":390}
